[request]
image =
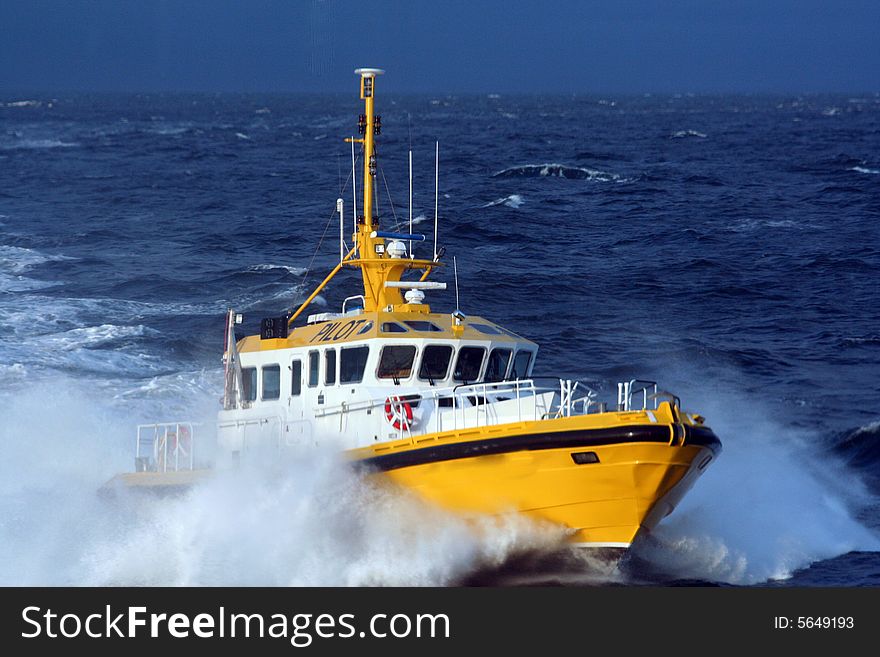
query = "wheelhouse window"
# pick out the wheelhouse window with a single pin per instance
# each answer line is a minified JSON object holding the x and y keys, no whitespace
{"x":314,"y":363}
{"x":521,"y":364}
{"x":468,"y":364}
{"x":352,"y":363}
{"x":421,"y":325}
{"x":396,"y":362}
{"x":271,"y":382}
{"x":249,"y":383}
{"x":435,"y":362}
{"x":296,"y":370}
{"x":496,"y":369}
{"x":330,"y":367}
{"x":366,"y":327}
{"x":393,"y":327}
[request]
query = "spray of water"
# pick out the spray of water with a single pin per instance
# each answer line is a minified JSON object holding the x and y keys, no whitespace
{"x":774,"y":502}
{"x":299,"y":520}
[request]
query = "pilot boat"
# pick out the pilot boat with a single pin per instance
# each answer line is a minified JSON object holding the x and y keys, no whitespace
{"x":440,"y":403}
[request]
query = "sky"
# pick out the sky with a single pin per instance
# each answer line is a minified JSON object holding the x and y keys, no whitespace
{"x":453,"y":46}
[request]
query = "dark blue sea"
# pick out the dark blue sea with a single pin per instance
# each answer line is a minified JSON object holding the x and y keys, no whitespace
{"x":725,"y":246}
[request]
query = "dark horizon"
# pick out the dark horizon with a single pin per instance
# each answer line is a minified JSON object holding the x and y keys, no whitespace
{"x":786,"y":47}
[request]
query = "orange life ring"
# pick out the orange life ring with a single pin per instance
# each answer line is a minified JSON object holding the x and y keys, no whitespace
{"x":399,"y":413}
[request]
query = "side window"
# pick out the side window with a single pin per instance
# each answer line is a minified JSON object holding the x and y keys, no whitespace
{"x":393,"y":327}
{"x":296,"y":372}
{"x":521,"y":364}
{"x":499,"y":359}
{"x":396,"y":362}
{"x":249,"y":383}
{"x":468,"y":363}
{"x":313,"y":368}
{"x":435,"y":362}
{"x":330,"y":367}
{"x":352,"y":363}
{"x":271,"y":381}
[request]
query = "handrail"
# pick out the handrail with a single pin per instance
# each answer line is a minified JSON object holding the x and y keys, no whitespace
{"x":626,"y":390}
{"x":480,"y":405}
{"x":158,"y":457}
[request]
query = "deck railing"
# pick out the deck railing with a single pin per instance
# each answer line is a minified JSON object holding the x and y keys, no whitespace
{"x":474,"y":405}
{"x":165,"y":447}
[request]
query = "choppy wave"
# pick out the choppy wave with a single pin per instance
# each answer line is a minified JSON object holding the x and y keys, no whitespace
{"x":36,"y":144}
{"x":861,"y":447}
{"x":298,"y":271}
{"x":683,"y":134}
{"x":861,"y":169}
{"x":556,"y":171}
{"x":512,"y":201}
{"x":24,"y":103}
{"x":16,"y":261}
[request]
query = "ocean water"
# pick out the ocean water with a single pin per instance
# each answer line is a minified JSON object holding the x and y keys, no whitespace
{"x":726,"y":246}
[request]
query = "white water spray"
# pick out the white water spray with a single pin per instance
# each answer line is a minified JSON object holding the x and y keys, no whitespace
{"x":773,"y":503}
{"x":304,"y":520}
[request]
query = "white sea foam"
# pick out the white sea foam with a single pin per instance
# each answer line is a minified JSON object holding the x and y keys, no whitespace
{"x":865,"y":170}
{"x":93,"y":336}
{"x":512,"y":201}
{"x":299,"y":271}
{"x":748,"y":225}
{"x":682,"y":134}
{"x":169,"y":130}
{"x":16,"y":261}
{"x":558,"y":171}
{"x":36,"y":144}
{"x":241,"y":135}
{"x":24,"y":103}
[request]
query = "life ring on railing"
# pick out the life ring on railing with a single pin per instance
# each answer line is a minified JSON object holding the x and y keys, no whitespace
{"x":399,"y":413}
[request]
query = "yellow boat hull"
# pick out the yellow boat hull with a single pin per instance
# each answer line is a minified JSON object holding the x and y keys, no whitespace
{"x":636,"y":474}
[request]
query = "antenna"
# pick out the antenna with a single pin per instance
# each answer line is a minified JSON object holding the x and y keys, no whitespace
{"x":339,"y":209}
{"x":354,"y":191}
{"x":436,"y":193}
{"x":411,"y":254}
{"x":455,"y":267}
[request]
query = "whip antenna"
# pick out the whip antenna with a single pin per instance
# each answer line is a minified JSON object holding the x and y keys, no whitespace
{"x":411,"y":254}
{"x":436,"y":194}
{"x":354,"y":191}
{"x":455,"y":268}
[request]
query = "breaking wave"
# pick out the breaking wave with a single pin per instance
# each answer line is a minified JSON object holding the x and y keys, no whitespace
{"x":512,"y":201}
{"x":557,"y":171}
{"x":36,"y":144}
{"x":682,"y":134}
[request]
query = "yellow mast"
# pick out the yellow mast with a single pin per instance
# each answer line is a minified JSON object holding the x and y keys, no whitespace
{"x":378,"y":268}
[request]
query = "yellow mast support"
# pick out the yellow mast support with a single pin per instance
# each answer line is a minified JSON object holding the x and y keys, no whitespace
{"x":377,"y":268}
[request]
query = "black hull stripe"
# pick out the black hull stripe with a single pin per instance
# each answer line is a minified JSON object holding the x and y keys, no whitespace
{"x":652,"y":433}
